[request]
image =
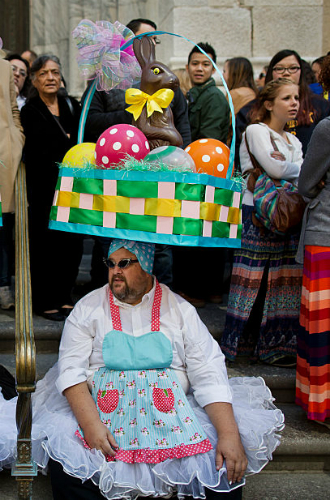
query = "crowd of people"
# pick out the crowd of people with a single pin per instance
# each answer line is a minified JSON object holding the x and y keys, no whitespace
{"x":279,"y":295}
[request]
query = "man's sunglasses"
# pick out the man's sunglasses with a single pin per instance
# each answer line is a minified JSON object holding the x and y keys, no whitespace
{"x":122,"y":264}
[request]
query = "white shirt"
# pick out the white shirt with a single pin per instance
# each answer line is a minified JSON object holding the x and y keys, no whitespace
{"x":258,"y":136}
{"x":20,"y":101}
{"x":197,"y":358}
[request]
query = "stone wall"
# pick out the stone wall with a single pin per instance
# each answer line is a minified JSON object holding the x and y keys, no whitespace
{"x":256,"y":29}
{"x":252,"y":28}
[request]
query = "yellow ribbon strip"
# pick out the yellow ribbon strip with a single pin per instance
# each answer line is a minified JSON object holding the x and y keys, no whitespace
{"x":155,"y":102}
{"x":153,"y":206}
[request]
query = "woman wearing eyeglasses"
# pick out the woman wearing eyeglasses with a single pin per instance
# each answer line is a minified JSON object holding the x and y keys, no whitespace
{"x":50,"y":123}
{"x":263,"y":308}
{"x":313,"y":108}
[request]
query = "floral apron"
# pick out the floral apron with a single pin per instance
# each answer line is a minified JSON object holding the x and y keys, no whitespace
{"x":139,"y":397}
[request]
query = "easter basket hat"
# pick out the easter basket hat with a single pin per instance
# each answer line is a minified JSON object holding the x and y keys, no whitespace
{"x":164,"y":206}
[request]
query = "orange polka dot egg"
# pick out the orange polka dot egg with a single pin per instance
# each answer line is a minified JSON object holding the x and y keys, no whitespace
{"x":210,"y":156}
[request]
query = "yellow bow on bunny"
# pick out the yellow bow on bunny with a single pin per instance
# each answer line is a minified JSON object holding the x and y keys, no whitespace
{"x":155,"y":102}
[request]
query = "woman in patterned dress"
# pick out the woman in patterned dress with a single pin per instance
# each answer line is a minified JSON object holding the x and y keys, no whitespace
{"x":263,"y":309}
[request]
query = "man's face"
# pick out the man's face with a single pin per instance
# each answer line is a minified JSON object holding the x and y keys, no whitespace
{"x":27,"y":56}
{"x":20,"y":73}
{"x":200,"y":68}
{"x":145,"y":28}
{"x":129,"y":284}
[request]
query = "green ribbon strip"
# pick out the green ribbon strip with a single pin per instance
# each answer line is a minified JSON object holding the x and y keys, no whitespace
{"x":147,"y":223}
{"x":88,"y":186}
{"x":191,"y":192}
{"x":58,"y":183}
{"x":83,"y":216}
{"x":136,"y":222}
{"x":223,"y":197}
{"x":53,"y":213}
{"x":170,"y":176}
{"x":135,"y":189}
{"x":192,"y":227}
{"x":220,"y":230}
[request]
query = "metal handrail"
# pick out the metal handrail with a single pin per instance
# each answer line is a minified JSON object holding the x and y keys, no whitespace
{"x":24,"y":469}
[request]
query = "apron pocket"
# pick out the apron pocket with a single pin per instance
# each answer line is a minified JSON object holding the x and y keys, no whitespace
{"x":163,"y":399}
{"x":107,"y":400}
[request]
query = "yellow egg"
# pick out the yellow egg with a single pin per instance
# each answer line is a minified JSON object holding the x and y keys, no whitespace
{"x":81,"y":155}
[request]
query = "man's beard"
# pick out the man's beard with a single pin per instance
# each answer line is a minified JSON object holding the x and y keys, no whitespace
{"x":126,"y":294}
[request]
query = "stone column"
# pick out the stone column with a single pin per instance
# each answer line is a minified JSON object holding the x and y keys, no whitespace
{"x":326,"y":24}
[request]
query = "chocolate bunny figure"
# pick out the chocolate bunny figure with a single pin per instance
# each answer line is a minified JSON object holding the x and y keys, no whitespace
{"x":159,"y":127}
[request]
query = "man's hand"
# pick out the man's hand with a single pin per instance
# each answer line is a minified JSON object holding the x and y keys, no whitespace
{"x":83,"y":406}
{"x":230,"y":449}
{"x":229,"y":446}
{"x":98,"y":436}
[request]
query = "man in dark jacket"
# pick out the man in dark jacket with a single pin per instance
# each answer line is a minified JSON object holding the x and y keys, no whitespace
{"x":108,"y":109}
{"x":209,"y":118}
{"x":208,"y":107}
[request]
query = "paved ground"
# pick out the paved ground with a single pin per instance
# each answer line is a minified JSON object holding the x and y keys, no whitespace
{"x":263,"y":486}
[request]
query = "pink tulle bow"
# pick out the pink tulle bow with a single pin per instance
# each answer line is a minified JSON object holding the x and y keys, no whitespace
{"x":100,"y":55}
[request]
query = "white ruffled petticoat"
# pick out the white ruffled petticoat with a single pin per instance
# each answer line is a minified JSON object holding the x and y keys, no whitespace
{"x":8,"y":430}
{"x":53,"y":435}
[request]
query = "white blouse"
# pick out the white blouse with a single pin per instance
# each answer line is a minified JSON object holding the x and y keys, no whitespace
{"x":197,"y":358}
{"x":258,"y":137}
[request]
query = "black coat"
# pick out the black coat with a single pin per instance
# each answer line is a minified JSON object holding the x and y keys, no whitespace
{"x":109,"y":108}
{"x":46,"y":144}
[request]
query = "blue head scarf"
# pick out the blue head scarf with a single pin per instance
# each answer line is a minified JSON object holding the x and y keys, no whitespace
{"x":144,"y":252}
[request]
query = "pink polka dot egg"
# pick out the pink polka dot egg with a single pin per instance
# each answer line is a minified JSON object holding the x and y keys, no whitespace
{"x":118,"y":141}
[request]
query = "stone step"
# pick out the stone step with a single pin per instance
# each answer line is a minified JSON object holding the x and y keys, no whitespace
{"x":305,"y":445}
{"x":264,"y":486}
{"x":47,"y":334}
